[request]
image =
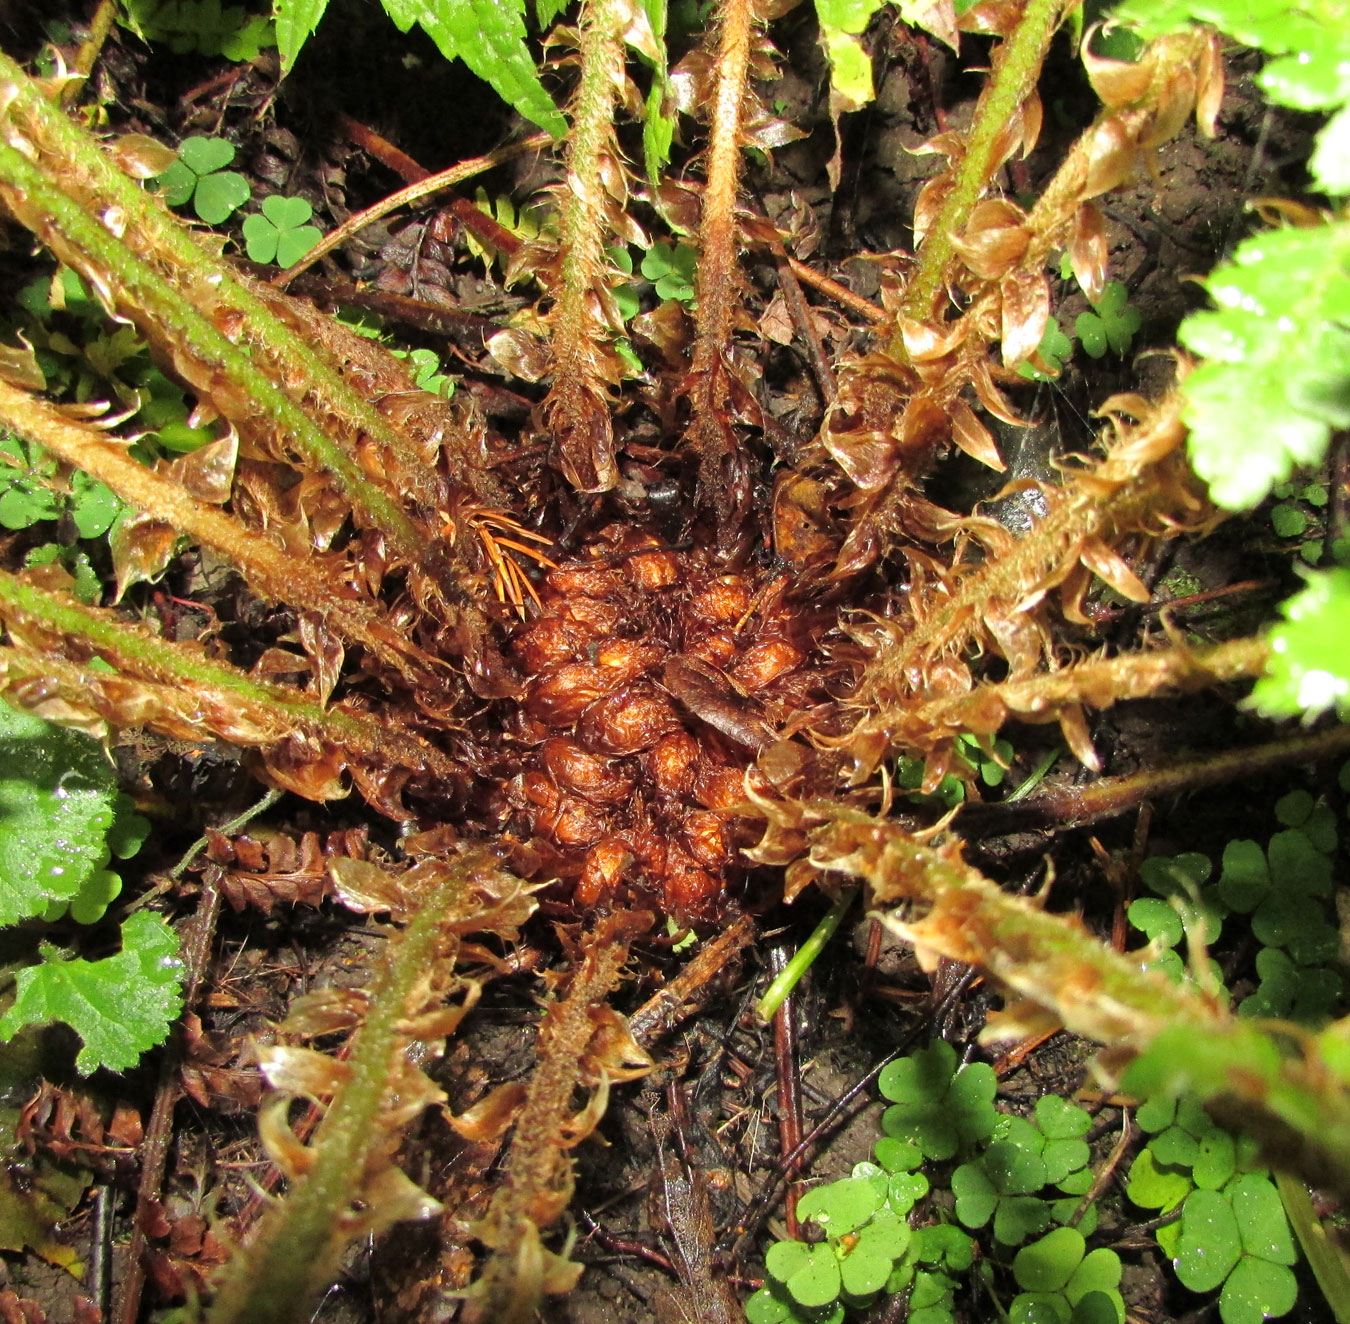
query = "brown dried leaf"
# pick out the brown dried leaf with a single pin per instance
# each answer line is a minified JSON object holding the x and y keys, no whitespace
{"x":1088,"y":250}
{"x":1026,"y":311}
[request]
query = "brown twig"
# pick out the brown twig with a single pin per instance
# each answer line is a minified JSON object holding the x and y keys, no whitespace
{"x":405,"y":197}
{"x":197,"y":943}
{"x":1108,"y":797}
{"x":789,"y":1087}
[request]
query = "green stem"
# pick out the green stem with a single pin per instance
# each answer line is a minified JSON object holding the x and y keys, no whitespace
{"x":290,"y":1258}
{"x":1019,"y":63}
{"x":138,"y":653}
{"x":802,"y":960}
{"x":1326,"y":1258}
{"x":160,"y":239}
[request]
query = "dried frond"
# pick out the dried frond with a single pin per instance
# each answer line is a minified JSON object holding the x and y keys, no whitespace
{"x":1138,"y":487}
{"x":345,"y":1183}
{"x":582,"y":1042}
{"x":583,"y":322}
{"x":714,"y":386}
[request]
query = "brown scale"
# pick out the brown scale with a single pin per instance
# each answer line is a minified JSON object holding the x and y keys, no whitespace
{"x":655,"y":679}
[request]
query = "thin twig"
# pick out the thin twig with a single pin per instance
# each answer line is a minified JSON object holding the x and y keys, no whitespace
{"x":405,"y":197}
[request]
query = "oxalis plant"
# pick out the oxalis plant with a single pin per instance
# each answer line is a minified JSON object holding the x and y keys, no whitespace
{"x":505,"y":651}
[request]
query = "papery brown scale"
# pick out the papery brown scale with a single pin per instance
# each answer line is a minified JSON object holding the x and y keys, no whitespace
{"x":1088,"y":250}
{"x":1111,"y":156}
{"x":973,"y":437}
{"x":671,"y":763}
{"x":1117,"y":83}
{"x":560,"y":696}
{"x":1026,"y":311}
{"x":589,"y":775}
{"x":601,"y":872}
{"x":627,"y":722}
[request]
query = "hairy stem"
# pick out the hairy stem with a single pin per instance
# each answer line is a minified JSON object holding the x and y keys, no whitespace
{"x":221,"y":370}
{"x":269,"y":570}
{"x":158,"y":238}
{"x":577,"y":408}
{"x":290,"y":1258}
{"x":1017,"y":64}
{"x":723,"y":471}
{"x":186,"y":673}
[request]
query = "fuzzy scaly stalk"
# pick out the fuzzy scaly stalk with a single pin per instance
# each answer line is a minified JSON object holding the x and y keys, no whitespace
{"x":577,"y":408}
{"x":724,"y":472}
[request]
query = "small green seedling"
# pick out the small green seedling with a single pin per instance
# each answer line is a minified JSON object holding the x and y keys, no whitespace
{"x":935,"y":1106}
{"x":86,"y":585}
{"x":31,"y":491}
{"x":1063,"y":1282}
{"x":1112,"y":324}
{"x":670,"y":267}
{"x":1054,"y":351}
{"x":989,"y":766}
{"x":199,"y":176}
{"x":1003,"y":1181}
{"x":281,"y":232}
{"x":427,"y":374}
{"x":1233,"y":1233}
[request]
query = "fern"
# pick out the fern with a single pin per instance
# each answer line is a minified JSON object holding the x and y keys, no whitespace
{"x":488,"y":35}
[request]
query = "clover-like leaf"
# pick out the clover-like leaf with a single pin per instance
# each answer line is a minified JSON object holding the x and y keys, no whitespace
{"x":976,"y":1196}
{"x":1111,"y":324}
{"x":1048,"y":1264}
{"x":1019,"y":1217}
{"x":199,"y":176}
{"x":1262,"y":1222}
{"x":1215,"y":1160}
{"x":119,"y":1006}
{"x":281,"y":232}
{"x":1210,"y":1244}
{"x":842,"y":1206}
{"x":1257,"y":1290}
{"x":1154,"y":1185}
{"x":897,"y":1155}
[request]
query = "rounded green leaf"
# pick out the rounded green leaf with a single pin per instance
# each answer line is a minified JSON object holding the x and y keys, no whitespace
{"x":923,"y":1125}
{"x":975,"y":1195}
{"x":1284,"y":917}
{"x":1061,"y":1157}
{"x":286,"y":213}
{"x":1098,"y":1272}
{"x":1157,"y":920}
{"x":1048,"y":1264}
{"x":220,"y":194}
{"x":1039,"y":1308}
{"x":1209,"y":1245}
{"x":784,"y":1258}
{"x":944,"y":1243}
{"x":292,"y":245}
{"x":1159,"y":1112}
{"x":1176,"y":875}
{"x":1099,"y":1308}
{"x":922,"y":1076}
{"x":1061,"y":1120}
{"x":766,"y":1308}
{"x":1019,"y":1217}
{"x":1013,"y":1169}
{"x":1296,"y":864}
{"x":1245,"y":879}
{"x":896,"y":1155}
{"x":1175,"y":1147}
{"x":176,"y":184}
{"x":818,"y":1282}
{"x":260,"y":239}
{"x":204,"y":155}
{"x":1257,"y":1290}
{"x":1215,"y":1160}
{"x":1262,"y":1223}
{"x":841,"y":1206}
{"x":867,"y":1267}
{"x":905,"y":1190}
{"x":56,"y":807}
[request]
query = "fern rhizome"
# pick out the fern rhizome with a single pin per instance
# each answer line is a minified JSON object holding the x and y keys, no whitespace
{"x":649,"y":655}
